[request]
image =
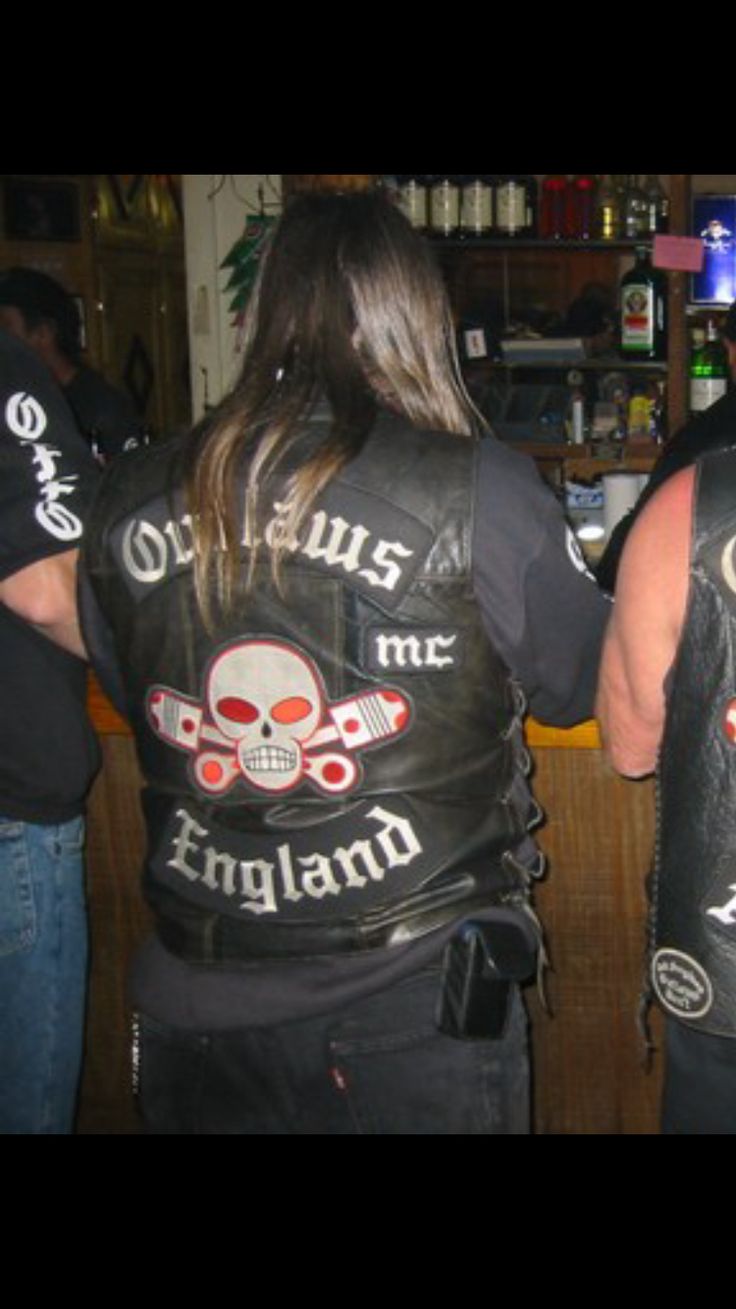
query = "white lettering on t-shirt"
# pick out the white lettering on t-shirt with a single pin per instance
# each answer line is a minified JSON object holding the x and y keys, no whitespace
{"x":26,"y":418}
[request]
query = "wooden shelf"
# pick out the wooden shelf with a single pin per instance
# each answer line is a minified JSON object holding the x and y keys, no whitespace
{"x":528,"y":271}
{"x":533,"y":243}
{"x":584,"y":463}
{"x":596,"y":363}
{"x":585,"y":736}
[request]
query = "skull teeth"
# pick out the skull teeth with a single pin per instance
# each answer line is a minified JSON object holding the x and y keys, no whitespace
{"x":270,"y":759}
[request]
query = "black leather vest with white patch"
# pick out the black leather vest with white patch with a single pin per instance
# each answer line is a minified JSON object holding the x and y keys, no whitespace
{"x":693,"y":967}
{"x":341,"y":765}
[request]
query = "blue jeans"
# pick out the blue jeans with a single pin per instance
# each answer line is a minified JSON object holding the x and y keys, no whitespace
{"x":379,"y":1067}
{"x":43,"y":973}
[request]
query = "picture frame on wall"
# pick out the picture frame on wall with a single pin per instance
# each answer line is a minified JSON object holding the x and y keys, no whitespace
{"x":41,"y":210}
{"x":714,"y":221}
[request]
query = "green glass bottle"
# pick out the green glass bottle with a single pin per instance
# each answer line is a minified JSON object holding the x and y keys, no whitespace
{"x":708,"y":371}
{"x":643,"y":306}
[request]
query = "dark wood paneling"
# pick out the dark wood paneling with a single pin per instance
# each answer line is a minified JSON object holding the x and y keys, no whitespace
{"x":589,"y":1055}
{"x":533,"y":278}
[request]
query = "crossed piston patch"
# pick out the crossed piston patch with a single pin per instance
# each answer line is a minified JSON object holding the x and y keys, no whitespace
{"x":265,"y":720}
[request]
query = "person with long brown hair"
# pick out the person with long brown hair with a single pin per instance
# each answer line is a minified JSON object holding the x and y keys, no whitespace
{"x":323,"y":611}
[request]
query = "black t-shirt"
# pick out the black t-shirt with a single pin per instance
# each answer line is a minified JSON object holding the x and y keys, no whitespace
{"x":49,"y":752}
{"x":546,"y":616}
{"x":539,"y":602}
{"x":106,"y":416}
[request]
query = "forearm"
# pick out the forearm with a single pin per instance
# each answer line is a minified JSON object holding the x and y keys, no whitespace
{"x":630,"y":728}
{"x":44,"y":596}
{"x":644,"y":633}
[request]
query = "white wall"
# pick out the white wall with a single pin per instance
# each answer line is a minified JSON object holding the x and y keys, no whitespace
{"x":215,"y":211}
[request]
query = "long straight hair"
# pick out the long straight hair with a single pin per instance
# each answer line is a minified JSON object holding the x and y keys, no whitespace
{"x":348,"y":306}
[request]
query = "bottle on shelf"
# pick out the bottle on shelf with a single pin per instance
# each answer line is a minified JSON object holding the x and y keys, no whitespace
{"x":620,"y":181}
{"x":643,"y":307}
{"x":576,"y":419}
{"x":708,"y":370}
{"x":657,"y":212}
{"x":695,"y":364}
{"x":412,"y":197}
{"x":511,"y":205}
{"x":476,"y":205}
{"x":657,"y":416}
{"x":532,"y":195}
{"x":635,"y":209}
{"x":444,"y":205}
{"x":552,"y":207}
{"x":639,"y":415}
{"x":608,"y":223}
{"x":580,"y":196}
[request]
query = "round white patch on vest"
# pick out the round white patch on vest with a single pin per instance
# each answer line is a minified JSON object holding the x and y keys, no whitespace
{"x":682,"y":985}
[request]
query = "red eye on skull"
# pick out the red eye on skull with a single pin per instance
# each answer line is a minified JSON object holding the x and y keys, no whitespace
{"x":237,"y":710}
{"x":291,"y":710}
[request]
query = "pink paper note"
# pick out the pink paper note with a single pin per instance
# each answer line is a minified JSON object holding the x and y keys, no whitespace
{"x":681,"y":252}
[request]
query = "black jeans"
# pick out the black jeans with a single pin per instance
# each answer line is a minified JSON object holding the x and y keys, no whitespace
{"x":699,"y":1083}
{"x":379,"y":1067}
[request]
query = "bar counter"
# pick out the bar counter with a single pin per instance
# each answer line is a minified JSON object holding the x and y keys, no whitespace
{"x":598,"y":838}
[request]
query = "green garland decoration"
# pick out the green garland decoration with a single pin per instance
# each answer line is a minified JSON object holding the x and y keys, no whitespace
{"x":243,"y":260}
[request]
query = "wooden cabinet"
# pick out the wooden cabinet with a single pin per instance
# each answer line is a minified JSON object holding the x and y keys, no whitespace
{"x":520,"y":278}
{"x":141,"y":308}
{"x":522,"y":274}
{"x":116,"y":243}
{"x":46,"y":225}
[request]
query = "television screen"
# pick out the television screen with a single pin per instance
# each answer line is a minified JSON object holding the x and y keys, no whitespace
{"x":714,"y":221}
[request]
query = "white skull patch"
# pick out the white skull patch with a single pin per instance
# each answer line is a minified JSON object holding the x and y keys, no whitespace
{"x":267,"y":715}
{"x":267,"y":699}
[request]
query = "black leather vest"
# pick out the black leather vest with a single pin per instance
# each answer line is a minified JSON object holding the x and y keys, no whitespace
{"x":340,"y":766}
{"x":693,"y":967}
